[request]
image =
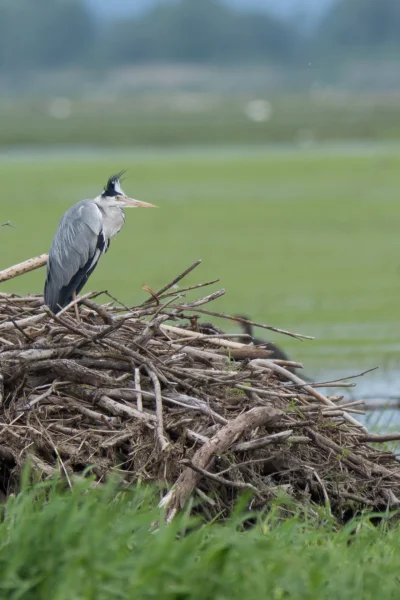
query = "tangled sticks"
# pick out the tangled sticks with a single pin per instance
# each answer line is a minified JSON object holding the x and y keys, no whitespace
{"x":181,"y":404}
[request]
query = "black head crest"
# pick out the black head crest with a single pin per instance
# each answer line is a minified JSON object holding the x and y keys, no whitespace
{"x":113,"y":187}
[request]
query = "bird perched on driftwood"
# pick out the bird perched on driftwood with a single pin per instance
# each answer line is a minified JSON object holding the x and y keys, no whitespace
{"x":83,"y":235}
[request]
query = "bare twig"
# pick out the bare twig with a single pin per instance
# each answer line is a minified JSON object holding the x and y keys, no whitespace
{"x":174,"y":281}
{"x":1,"y":390}
{"x":191,"y":287}
{"x":275,"y":438}
{"x":269,"y":327}
{"x":324,"y":492}
{"x":139,"y":399}
{"x":159,"y":410}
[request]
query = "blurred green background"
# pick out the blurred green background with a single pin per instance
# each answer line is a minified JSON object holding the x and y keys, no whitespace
{"x":267,"y":133}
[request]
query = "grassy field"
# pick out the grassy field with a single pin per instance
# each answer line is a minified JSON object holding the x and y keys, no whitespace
{"x":304,"y":240}
{"x":90,"y":545}
{"x":169,"y":117}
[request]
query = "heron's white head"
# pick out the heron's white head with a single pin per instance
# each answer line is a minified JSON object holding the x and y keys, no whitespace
{"x":114,"y":195}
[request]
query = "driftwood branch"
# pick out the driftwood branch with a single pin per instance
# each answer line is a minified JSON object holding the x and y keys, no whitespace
{"x":220,"y":442}
{"x":28,"y":265}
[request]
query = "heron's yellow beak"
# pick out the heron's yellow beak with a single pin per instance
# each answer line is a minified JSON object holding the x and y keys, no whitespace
{"x":131,"y":203}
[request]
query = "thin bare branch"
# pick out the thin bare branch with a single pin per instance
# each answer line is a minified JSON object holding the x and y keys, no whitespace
{"x":174,"y":281}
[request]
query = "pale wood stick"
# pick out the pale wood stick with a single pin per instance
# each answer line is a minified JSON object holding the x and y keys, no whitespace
{"x":348,"y":404}
{"x":43,"y":396}
{"x":33,"y":354}
{"x":91,"y":414}
{"x":22,"y":322}
{"x":194,"y":351}
{"x":139,"y":400}
{"x":159,"y":409}
{"x":213,"y":336}
{"x":204,"y":300}
{"x":176,"y":398}
{"x":197,"y":437}
{"x":73,"y":303}
{"x":118,"y":409}
{"x":28,"y":265}
{"x":274,"y":438}
{"x":220,"y":341}
{"x":74,"y":297}
{"x":20,"y":299}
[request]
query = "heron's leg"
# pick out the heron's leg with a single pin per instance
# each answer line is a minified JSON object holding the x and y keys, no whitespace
{"x":76,"y":308}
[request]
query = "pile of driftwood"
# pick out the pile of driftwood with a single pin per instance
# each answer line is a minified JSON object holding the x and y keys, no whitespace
{"x":178,"y":403}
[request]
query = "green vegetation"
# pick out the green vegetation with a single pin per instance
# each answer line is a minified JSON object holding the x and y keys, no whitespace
{"x":178,"y":118}
{"x":306,"y":241}
{"x":88,"y":544}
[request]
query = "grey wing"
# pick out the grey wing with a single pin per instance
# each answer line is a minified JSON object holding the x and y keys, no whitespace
{"x":75,"y":246}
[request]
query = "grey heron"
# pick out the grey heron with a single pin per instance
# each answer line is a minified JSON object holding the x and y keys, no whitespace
{"x":83,"y":235}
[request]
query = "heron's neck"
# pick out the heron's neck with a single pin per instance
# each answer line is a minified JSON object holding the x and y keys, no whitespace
{"x":113,"y":218}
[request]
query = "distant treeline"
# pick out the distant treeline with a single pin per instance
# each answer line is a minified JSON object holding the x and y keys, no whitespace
{"x":64,"y":33}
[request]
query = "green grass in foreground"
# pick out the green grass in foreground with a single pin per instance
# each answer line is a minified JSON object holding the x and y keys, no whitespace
{"x":307,"y":241}
{"x":89,"y":545}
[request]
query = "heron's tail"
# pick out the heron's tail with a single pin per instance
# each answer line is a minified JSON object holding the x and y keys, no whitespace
{"x":53,"y":296}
